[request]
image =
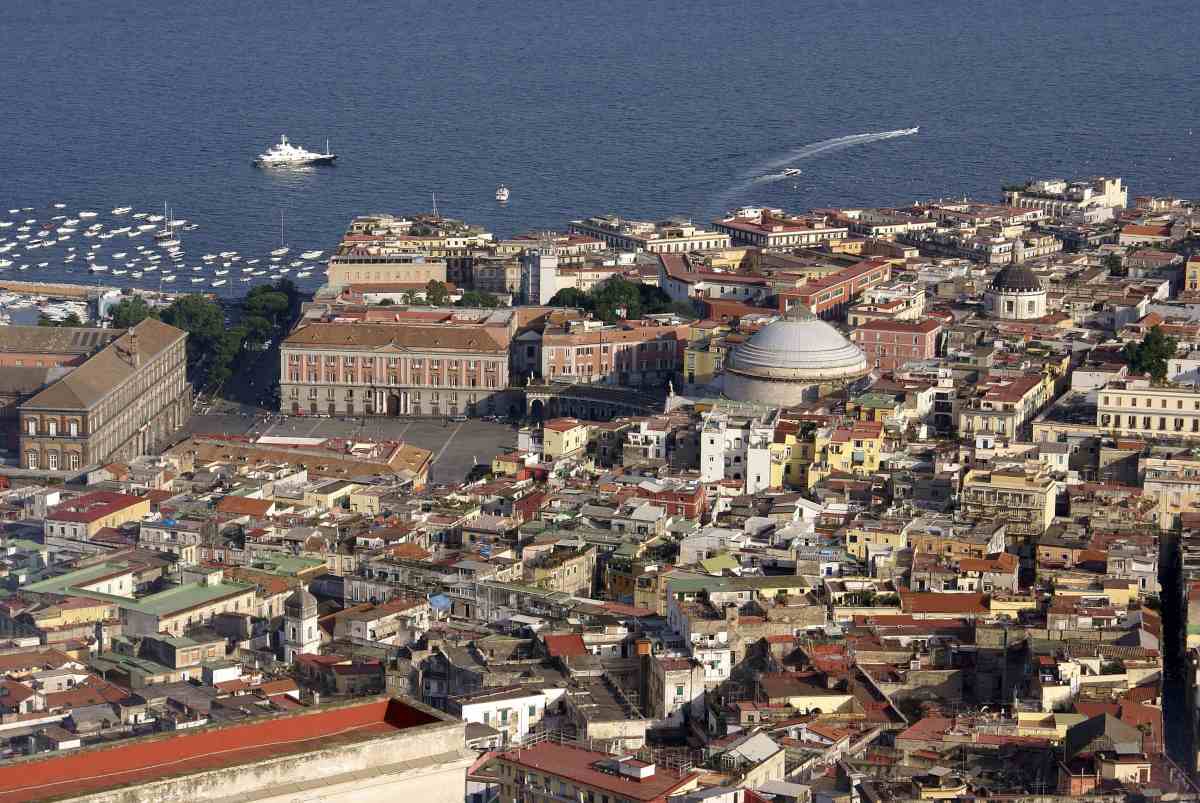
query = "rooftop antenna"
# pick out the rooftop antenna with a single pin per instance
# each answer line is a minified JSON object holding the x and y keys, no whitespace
{"x":435,"y":211}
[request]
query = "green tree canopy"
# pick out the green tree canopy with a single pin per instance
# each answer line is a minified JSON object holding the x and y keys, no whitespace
{"x":436,"y":293}
{"x":476,"y":298}
{"x":130,"y":312}
{"x":1151,"y":355}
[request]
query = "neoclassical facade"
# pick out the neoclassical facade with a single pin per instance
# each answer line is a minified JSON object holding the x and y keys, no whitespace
{"x":124,"y":401}
{"x":391,"y":369}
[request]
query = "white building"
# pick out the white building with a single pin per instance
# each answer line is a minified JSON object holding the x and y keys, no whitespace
{"x":539,"y":275}
{"x":736,"y":447}
{"x":300,"y":632}
{"x":1015,"y":294}
{"x":512,"y":710}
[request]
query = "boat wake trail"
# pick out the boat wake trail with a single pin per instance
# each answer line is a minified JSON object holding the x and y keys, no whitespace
{"x":829,"y":145}
{"x":766,"y":172}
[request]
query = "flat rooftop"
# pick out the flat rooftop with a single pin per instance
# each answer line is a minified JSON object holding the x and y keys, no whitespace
{"x":99,"y":769}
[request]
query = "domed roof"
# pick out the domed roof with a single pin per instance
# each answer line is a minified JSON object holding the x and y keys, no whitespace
{"x":800,"y":346}
{"x":301,"y":602}
{"x":1015,"y":279}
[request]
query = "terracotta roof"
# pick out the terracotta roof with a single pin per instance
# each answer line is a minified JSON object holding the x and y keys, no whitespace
{"x":395,"y":337}
{"x":562,"y":424}
{"x":243,"y":506}
{"x":933,"y":602}
{"x":92,"y":381}
{"x":132,"y":762}
{"x":565,"y":646}
{"x":584,"y":767}
{"x":92,"y":507}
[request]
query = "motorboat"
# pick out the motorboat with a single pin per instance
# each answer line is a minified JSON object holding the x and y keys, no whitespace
{"x":502,"y":193}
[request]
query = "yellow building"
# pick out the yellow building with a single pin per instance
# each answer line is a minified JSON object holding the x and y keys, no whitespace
{"x":864,"y":534}
{"x":564,"y":437}
{"x":329,"y":495}
{"x":792,"y":453}
{"x":853,"y":450}
{"x":1191,"y":274}
{"x":1023,"y":499}
{"x":1011,"y":605}
{"x":79,"y":519}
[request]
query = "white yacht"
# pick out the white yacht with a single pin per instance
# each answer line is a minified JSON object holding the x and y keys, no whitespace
{"x":218,"y":283}
{"x":122,"y":210}
{"x":311,"y":254}
{"x":502,"y":193}
{"x":285,"y":154}
{"x":87,"y":215}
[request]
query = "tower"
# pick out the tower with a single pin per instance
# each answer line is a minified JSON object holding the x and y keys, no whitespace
{"x":300,"y":632}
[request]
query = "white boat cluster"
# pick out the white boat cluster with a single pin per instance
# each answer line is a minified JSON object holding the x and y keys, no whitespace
{"x":134,"y":248}
{"x":55,"y":310}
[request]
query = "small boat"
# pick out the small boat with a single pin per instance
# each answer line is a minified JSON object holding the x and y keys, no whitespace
{"x":218,"y":283}
{"x":119,"y":255}
{"x":245,"y":278}
{"x":168,"y":277}
{"x":43,"y":264}
{"x":60,"y":206}
{"x":155,"y":218}
{"x":87,"y":215}
{"x":278,"y":252}
{"x":252,"y":261}
{"x":311,"y":254}
{"x":169,"y":243}
{"x":227,"y":254}
{"x":220,"y":273}
{"x":122,"y":210}
{"x":4,"y":224}
{"x":247,"y":270}
{"x":147,"y":227}
{"x":197,"y":279}
{"x":137,"y":274}
{"x":119,"y":272}
{"x":139,"y":215}
{"x":98,"y":268}
{"x":304,"y":273}
{"x":791,"y":172}
{"x":209,"y":257}
{"x":502,"y":193}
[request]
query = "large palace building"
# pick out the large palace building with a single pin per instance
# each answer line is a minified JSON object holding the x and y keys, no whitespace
{"x":123,"y":400}
{"x":399,"y":363}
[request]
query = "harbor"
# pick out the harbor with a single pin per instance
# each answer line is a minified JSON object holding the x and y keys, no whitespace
{"x":144,"y":250}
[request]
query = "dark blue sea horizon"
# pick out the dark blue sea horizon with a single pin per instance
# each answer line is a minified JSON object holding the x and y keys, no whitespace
{"x":643,"y":109}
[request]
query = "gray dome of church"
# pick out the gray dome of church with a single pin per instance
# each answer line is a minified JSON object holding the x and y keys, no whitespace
{"x":1016,"y":279}
{"x":794,"y":359}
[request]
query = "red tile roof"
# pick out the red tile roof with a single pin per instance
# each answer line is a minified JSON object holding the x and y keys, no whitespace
{"x":569,"y":645}
{"x":92,"y":507}
{"x":581,"y":766}
{"x":137,"y":761}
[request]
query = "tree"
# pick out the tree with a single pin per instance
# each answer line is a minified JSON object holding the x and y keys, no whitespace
{"x":1151,"y":355}
{"x":1114,"y":265}
{"x":130,"y":312}
{"x":209,"y":347}
{"x":475,"y":298}
{"x":570,"y":297}
{"x":436,"y":294}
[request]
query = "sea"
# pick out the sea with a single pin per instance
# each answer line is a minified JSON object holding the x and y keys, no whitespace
{"x":643,"y":108}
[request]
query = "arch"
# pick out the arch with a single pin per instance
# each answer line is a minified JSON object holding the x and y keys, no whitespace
{"x":393,"y":405}
{"x":537,"y":409}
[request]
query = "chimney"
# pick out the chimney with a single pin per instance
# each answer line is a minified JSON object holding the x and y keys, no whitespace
{"x":135,"y":356}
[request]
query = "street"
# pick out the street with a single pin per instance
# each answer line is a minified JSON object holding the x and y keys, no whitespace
{"x":456,"y":447}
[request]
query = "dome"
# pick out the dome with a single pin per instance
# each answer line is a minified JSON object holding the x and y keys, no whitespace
{"x":1015,"y":279}
{"x":794,"y":359}
{"x":300,"y":604}
{"x":801,"y":347}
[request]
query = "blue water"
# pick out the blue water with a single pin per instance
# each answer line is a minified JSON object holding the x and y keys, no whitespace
{"x":642,"y":108}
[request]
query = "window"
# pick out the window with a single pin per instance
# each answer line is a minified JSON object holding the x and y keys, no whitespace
{"x":31,"y":426}
{"x":52,"y":427}
{"x":31,"y":459}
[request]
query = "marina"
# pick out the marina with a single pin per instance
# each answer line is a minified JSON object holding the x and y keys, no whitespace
{"x":83,"y":245}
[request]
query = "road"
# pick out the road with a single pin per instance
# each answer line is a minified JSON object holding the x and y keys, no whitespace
{"x":456,"y":447}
